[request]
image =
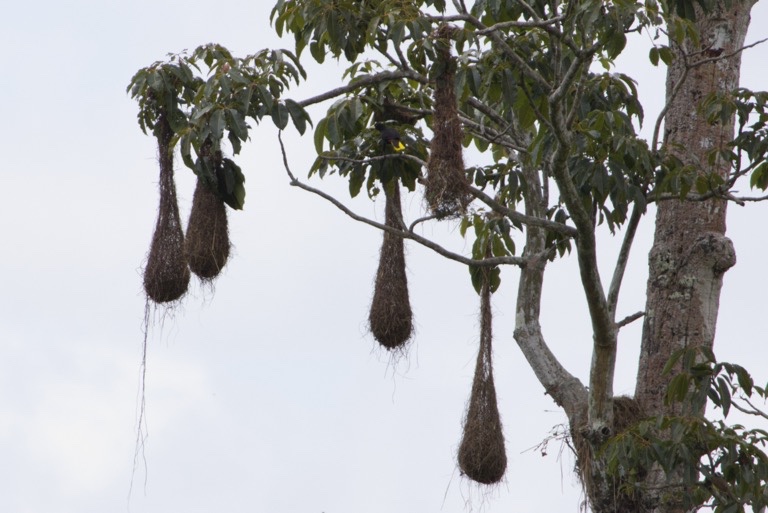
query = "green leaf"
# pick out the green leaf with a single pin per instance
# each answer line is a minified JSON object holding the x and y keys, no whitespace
{"x":216,"y":123}
{"x":615,"y":44}
{"x":666,"y":55}
{"x":356,"y":180}
{"x":280,"y":115}
{"x":497,"y":247}
{"x":299,"y":116}
{"x":677,"y":388}
{"x":233,"y":185}
{"x":653,"y":55}
{"x":236,"y":124}
{"x":745,"y":380}
{"x":759,"y":177}
{"x":725,"y":395}
{"x":320,"y":135}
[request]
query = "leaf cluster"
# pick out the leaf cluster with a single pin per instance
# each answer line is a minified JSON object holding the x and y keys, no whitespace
{"x":205,"y":110}
{"x":748,"y":152}
{"x":723,"y":465}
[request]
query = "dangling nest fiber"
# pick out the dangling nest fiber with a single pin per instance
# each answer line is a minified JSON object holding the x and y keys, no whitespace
{"x":446,"y":184}
{"x":391,"y":318}
{"x":207,"y":242}
{"x":166,"y":276}
{"x":482,"y":455}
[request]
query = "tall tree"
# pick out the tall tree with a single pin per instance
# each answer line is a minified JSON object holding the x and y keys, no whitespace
{"x":533,"y":86}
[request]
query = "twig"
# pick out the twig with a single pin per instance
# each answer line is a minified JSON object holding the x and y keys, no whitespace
{"x":629,"y":318}
{"x":422,"y":220}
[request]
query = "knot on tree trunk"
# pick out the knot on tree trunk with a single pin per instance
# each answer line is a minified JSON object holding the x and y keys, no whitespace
{"x":716,"y":250}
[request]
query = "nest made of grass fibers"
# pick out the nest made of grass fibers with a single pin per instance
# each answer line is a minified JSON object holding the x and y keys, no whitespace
{"x":445,"y":188}
{"x":482,"y":455}
{"x":626,"y":413}
{"x":391,"y":318}
{"x":207,"y":244}
{"x":166,"y":275}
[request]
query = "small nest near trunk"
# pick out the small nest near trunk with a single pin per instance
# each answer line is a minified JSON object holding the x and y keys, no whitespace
{"x":626,"y":413}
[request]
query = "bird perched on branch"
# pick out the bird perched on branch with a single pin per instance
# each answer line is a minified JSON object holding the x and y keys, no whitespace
{"x":389,"y":136}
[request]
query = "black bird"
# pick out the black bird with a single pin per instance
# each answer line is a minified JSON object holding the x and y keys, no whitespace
{"x":390,"y":136}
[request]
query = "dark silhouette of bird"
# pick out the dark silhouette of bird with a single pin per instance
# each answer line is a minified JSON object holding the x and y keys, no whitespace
{"x":389,"y":136}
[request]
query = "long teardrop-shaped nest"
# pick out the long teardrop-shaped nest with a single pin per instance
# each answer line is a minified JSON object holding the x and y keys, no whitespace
{"x":207,"y":242}
{"x":166,"y":275}
{"x":446,"y":184}
{"x":482,"y":455}
{"x":391,"y":317}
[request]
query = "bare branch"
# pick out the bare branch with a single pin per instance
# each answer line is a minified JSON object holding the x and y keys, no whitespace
{"x":422,"y":220}
{"x":497,"y":26}
{"x":670,"y":98}
{"x":725,"y":55}
{"x":600,"y":402}
{"x":519,"y":142}
{"x":679,"y":84}
{"x":629,"y":318}
{"x":492,"y":135}
{"x":566,"y":390}
{"x":519,"y":217}
{"x":519,"y":62}
{"x":378,"y":157}
{"x":750,"y":198}
{"x":486,"y":262}
{"x":621,"y":261}
{"x":364,"y":81}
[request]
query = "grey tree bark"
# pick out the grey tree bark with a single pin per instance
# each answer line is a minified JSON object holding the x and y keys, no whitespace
{"x":690,"y":253}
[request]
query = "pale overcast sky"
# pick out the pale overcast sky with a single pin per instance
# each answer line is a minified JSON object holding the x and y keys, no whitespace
{"x":267,"y":395}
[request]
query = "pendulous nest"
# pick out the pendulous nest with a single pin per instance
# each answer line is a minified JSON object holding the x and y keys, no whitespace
{"x":166,"y":275}
{"x":206,"y":245}
{"x":446,"y":184}
{"x":482,"y":455}
{"x":391,"y":317}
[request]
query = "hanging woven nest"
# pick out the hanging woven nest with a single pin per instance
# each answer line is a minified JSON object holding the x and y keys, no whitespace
{"x":391,"y":317}
{"x":207,"y":243}
{"x":446,"y":184}
{"x":482,"y":455}
{"x":166,"y":275}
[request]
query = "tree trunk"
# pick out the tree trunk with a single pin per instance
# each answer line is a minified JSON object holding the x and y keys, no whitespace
{"x":690,"y":252}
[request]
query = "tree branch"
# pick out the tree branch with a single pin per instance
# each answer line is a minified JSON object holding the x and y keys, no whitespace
{"x":629,"y":319}
{"x":364,"y":81}
{"x":519,"y":217}
{"x":603,"y":327}
{"x":502,"y":25}
{"x":368,"y":160}
{"x":621,"y":261}
{"x":566,"y":390}
{"x":524,"y":67}
{"x":406,"y":234}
